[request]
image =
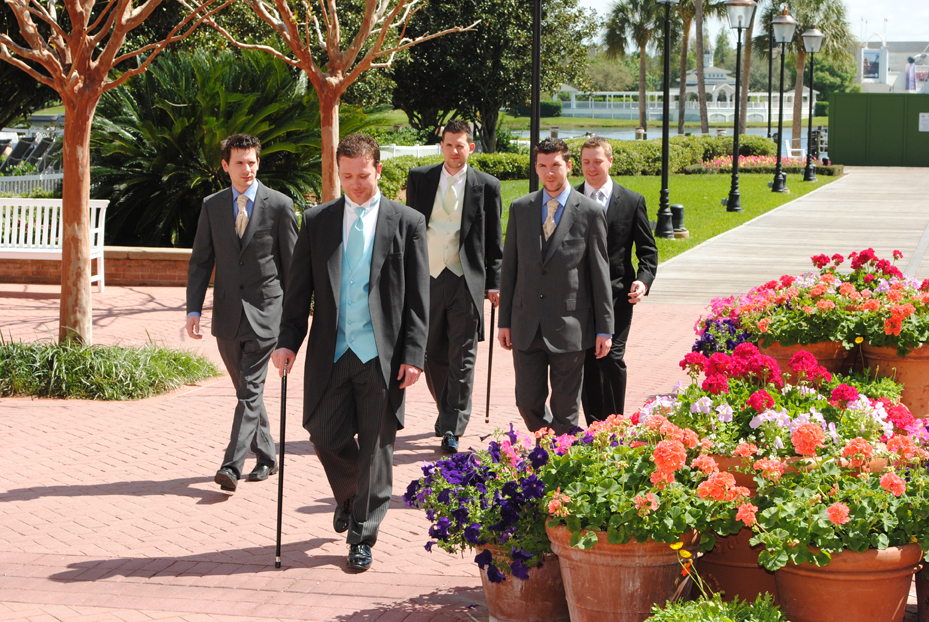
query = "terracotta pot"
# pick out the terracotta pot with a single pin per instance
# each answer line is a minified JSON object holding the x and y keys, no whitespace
{"x":912,"y":370}
{"x":830,"y":354}
{"x":618,"y":582}
{"x":732,"y":568}
{"x":922,"y":596}
{"x":540,"y":598}
{"x":853,"y":587}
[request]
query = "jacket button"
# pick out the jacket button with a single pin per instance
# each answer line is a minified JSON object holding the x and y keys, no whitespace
{"x":541,"y":296}
{"x":241,"y":287}
{"x":242,"y":263}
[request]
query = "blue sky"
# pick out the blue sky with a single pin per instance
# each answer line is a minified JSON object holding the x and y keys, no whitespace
{"x":907,"y":20}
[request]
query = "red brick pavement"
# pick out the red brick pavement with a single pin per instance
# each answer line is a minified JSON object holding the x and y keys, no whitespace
{"x":109,"y":511}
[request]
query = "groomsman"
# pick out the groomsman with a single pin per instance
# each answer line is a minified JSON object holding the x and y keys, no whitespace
{"x":555,"y":292}
{"x":363,"y":257}
{"x":626,"y":225}
{"x":247,"y":233}
{"x":465,"y":239}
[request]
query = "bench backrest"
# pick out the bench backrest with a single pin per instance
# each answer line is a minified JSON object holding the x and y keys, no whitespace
{"x":35,"y":224}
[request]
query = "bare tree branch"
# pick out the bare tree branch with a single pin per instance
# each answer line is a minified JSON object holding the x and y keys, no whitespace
{"x":249,"y":46}
{"x":5,"y":55}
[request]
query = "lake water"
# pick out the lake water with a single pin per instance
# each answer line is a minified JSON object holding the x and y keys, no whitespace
{"x":654,"y":132}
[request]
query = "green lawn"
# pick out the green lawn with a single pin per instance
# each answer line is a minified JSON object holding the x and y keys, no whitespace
{"x":700,"y":195}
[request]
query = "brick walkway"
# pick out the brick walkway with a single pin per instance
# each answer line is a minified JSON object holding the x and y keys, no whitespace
{"x":109,"y":511}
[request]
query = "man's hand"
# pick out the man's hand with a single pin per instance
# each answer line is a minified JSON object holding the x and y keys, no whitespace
{"x":503,"y":336}
{"x":283,"y":356}
{"x":603,"y":346}
{"x":408,"y":375}
{"x":494,"y":298}
{"x":193,"y":326}
{"x":637,"y":292}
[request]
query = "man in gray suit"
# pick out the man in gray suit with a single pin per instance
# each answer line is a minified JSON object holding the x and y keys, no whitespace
{"x":462,"y":209}
{"x":555,"y":292}
{"x":247,"y":232}
{"x":627,"y":224}
{"x":364,"y":257}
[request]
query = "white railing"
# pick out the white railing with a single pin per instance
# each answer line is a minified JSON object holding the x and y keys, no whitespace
{"x":394,"y":151}
{"x":24,"y":184}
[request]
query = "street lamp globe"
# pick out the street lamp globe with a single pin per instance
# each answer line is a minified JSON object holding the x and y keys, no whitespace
{"x":784,"y":26}
{"x":740,"y":13}
{"x":812,"y":40}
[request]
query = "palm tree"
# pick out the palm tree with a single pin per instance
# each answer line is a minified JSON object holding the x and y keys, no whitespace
{"x":831,"y":17}
{"x":633,"y":20}
{"x":701,"y":82}
{"x":687,"y":9}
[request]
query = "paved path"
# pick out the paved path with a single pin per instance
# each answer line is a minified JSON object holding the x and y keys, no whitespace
{"x":109,"y":511}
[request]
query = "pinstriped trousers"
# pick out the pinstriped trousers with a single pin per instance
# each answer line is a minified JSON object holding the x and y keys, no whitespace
{"x":360,"y":471}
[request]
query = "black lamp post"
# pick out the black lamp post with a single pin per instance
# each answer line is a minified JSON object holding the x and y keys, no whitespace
{"x":812,"y":42}
{"x":535,"y":101}
{"x":740,"y":14}
{"x":663,"y":226}
{"x":770,"y":75}
{"x":784,"y":26}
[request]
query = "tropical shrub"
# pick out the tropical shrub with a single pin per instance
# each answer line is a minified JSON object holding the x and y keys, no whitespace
{"x":155,"y":143}
{"x":715,"y":610}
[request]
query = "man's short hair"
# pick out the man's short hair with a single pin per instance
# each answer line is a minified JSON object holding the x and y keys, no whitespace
{"x":356,"y":146}
{"x":239,"y":141}
{"x":554,"y":145}
{"x":598,"y":141}
{"x":457,"y":126}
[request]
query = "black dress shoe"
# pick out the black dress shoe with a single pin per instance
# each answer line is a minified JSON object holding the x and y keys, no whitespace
{"x":359,"y":556}
{"x":261,"y":473}
{"x":449,"y":443}
{"x":340,"y":520}
{"x":227,"y":479}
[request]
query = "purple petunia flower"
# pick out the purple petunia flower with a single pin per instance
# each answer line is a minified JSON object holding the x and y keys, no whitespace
{"x":483,"y":559}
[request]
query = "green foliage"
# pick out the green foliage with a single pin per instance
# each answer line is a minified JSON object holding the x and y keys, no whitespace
{"x":71,"y":370}
{"x":715,"y":610}
{"x":405,"y":136}
{"x":821,"y":109}
{"x":500,"y":165}
{"x":20,"y":170}
{"x":612,"y":74}
{"x":22,"y":94}
{"x":156,"y":140}
{"x":395,"y":171}
{"x":479,"y":73}
{"x":546,"y":109}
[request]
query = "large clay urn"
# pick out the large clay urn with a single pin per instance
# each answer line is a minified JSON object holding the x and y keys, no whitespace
{"x":911,"y":370}
{"x":619,"y":582}
{"x":540,"y":598}
{"x":831,"y":354}
{"x":872,"y":586}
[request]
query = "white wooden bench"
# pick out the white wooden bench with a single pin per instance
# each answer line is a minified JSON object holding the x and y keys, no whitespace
{"x":31,"y":229}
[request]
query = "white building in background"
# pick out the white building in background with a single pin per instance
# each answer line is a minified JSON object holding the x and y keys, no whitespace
{"x":883,"y":66}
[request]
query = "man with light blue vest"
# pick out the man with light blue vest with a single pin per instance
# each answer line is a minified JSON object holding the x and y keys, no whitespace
{"x":364,"y":257}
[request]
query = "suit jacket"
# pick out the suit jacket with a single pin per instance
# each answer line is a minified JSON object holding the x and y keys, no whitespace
{"x":398,"y":297}
{"x":566,"y":292}
{"x":627,"y":224}
{"x":251,"y":271}
{"x":481,"y":238}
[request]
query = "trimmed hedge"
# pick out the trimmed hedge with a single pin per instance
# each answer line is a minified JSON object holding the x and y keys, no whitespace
{"x":546,"y":109}
{"x":832,"y":170}
{"x":503,"y":166}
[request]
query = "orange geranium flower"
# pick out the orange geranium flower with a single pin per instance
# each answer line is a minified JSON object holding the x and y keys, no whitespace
{"x":838,"y":513}
{"x":669,"y":455}
{"x":746,"y":514}
{"x":858,"y":450}
{"x":746,"y":450}
{"x":770,"y":469}
{"x":705,"y":463}
{"x":807,"y":439}
{"x":893,"y":483}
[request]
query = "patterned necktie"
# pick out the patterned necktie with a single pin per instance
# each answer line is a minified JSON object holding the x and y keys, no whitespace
{"x":450,"y":200}
{"x":601,"y":198}
{"x":241,"y":220}
{"x":356,"y":240}
{"x":548,"y":227}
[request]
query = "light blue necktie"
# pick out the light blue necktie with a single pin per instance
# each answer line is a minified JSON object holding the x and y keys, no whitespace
{"x":356,"y":241}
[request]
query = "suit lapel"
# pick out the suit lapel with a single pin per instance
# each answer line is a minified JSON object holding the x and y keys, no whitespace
{"x":332,"y":238}
{"x":431,"y":187}
{"x":470,"y":203}
{"x":258,"y":209}
{"x":616,"y":204}
{"x":227,"y":213}
{"x":388,"y":219}
{"x":567,"y":220}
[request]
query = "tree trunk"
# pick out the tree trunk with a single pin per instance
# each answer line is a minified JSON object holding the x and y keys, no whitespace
{"x":746,"y":70}
{"x":701,"y":82}
{"x":643,"y":111}
{"x":76,"y":310}
{"x":682,"y":90}
{"x":798,"y":100}
{"x":489,"y":119}
{"x":329,"y":121}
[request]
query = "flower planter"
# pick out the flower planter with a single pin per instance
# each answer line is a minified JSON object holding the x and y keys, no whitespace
{"x":854,"y":587}
{"x":922,"y":596}
{"x":618,"y":582}
{"x":732,"y":568}
{"x":830,"y":354}
{"x":540,"y":598}
{"x":911,"y":370}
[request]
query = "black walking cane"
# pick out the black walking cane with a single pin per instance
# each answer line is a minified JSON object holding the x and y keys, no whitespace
{"x":280,"y":476}
{"x":490,"y":362}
